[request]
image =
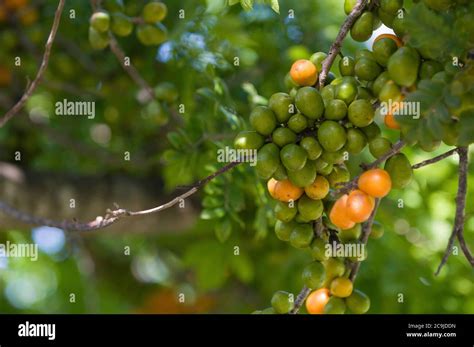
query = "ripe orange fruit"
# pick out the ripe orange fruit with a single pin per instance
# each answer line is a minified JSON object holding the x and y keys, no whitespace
{"x":391,"y":122}
{"x":359,"y":206}
{"x":375,"y":182}
{"x":316,"y":301}
{"x":304,"y":72}
{"x":318,"y":189}
{"x":284,"y":190}
{"x":339,"y":216}
{"x":389,"y":36}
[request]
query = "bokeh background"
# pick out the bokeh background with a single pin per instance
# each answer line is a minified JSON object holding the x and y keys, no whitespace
{"x":144,"y":264}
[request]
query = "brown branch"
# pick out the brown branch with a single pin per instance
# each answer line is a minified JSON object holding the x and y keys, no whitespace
{"x":300,"y":298}
{"x":44,"y":64}
{"x":458,"y":228}
{"x":111,"y":216}
{"x":435,"y":159}
{"x":337,"y":44}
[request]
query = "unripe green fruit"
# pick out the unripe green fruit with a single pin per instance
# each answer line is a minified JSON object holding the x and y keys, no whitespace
{"x":403,"y":66}
{"x":337,"y":157}
{"x":331,"y":135}
{"x":309,"y":102}
{"x":152,"y":35}
{"x":293,"y":157}
{"x":356,"y":141}
{"x":364,"y":53}
{"x":367,"y":69}
{"x":346,"y":66}
{"x":298,"y":123}
{"x":391,"y":6}
{"x":305,"y":176}
{"x":280,"y":173}
{"x":429,"y":146}
{"x":100,"y":21}
{"x":284,"y":212}
{"x":377,"y":230}
{"x":364,"y":93}
{"x":361,"y":113}
{"x":113,"y":5}
{"x":400,"y":171}
{"x":283,"y":137}
{"x":268,"y":159}
{"x":379,"y":146}
{"x":121,"y":24}
{"x":248,"y":140}
{"x":268,"y":310}
{"x":363,"y":27}
{"x":282,"y":302}
{"x":346,"y":90}
{"x":98,"y":40}
{"x":313,"y":275}
{"x":335,"y":110}
{"x":317,"y":59}
{"x":338,"y":176}
{"x":281,"y":105}
{"x":399,"y":24}
{"x":334,"y":268}
{"x":390,"y":91}
{"x":335,"y":306}
{"x":154,"y":12}
{"x":301,"y":236}
{"x":310,"y":209}
{"x":318,"y":250}
{"x":385,"y":17}
{"x":312,"y":147}
{"x":371,"y":131}
{"x":328,"y":93}
{"x":263,"y":120}
{"x":284,"y":230}
{"x":289,"y":83}
{"x":349,"y":5}
{"x":380,"y":82}
{"x":358,"y":302}
{"x":383,"y":50}
{"x":322,"y":167}
{"x":350,"y":235}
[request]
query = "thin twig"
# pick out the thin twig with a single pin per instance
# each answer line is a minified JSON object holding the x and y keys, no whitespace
{"x":44,"y":64}
{"x":337,"y":44}
{"x":434,"y":159}
{"x":300,"y":298}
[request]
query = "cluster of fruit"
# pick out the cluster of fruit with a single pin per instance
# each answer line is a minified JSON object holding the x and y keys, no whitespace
{"x":18,"y":9}
{"x":150,"y":31}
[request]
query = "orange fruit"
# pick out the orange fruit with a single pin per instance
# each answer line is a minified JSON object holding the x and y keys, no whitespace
{"x":391,"y":122}
{"x":316,"y":301}
{"x":375,"y":182}
{"x":304,"y":72}
{"x":338,"y":214}
{"x":318,"y":189}
{"x":390,"y":36}
{"x":284,"y":190}
{"x":359,"y":206}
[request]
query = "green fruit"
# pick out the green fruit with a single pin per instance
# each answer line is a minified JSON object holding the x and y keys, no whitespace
{"x":331,"y":135}
{"x":346,"y":91}
{"x":379,"y":146}
{"x":309,"y":102}
{"x":383,"y":50}
{"x":121,"y":25}
{"x":283,"y":136}
{"x":429,"y":146}
{"x":282,"y":106}
{"x":312,"y":147}
{"x":364,"y":93}
{"x":282,"y":302}
{"x":367,"y":69}
{"x":440,"y":76}
{"x":335,"y":306}
{"x":361,"y":113}
{"x":429,"y":68}
{"x":358,"y":302}
{"x":399,"y":24}
{"x":377,"y":230}
{"x":100,"y":21}
{"x":305,"y":176}
{"x":377,"y":22}
{"x":98,"y":40}
{"x":439,"y":5}
{"x":262,"y":119}
{"x":268,"y":310}
{"x":318,"y":250}
{"x":400,"y":171}
{"x":310,"y":209}
{"x":284,"y":212}
{"x":385,"y":17}
{"x":363,"y":26}
{"x":283,"y":230}
{"x":335,"y":110}
{"x":391,"y":6}
{"x":346,"y":66}
{"x":248,"y":140}
{"x":289,"y":83}
{"x":298,"y":123}
{"x":337,"y":157}
{"x":152,"y":35}
{"x":301,"y":220}
{"x":331,"y":77}
{"x":301,"y":236}
{"x":349,"y":5}
{"x":313,"y":275}
{"x":166,"y":91}
{"x":113,"y":5}
{"x":371,"y":131}
{"x":403,"y":66}
{"x":338,"y":176}
{"x":351,"y":234}
{"x":334,"y":268}
{"x":356,"y":141}
{"x":317,"y":59}
{"x":280,"y":173}
{"x":364,"y":53}
{"x":154,"y":12}
{"x":380,"y":82}
{"x":328,"y":93}
{"x":293,"y":157}
{"x":390,"y":91}
{"x":268,"y":159}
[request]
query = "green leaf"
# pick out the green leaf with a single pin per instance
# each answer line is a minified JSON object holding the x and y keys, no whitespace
{"x":212,"y":201}
{"x":233,"y":2}
{"x":247,"y":5}
{"x":223,"y":230}
{"x":215,"y":213}
{"x":275,"y":5}
{"x":242,"y":266}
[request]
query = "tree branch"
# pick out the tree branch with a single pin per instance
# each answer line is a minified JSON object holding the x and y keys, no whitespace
{"x":44,"y":64}
{"x":337,"y":44}
{"x":300,"y":298}
{"x":111,"y":216}
{"x":435,"y":159}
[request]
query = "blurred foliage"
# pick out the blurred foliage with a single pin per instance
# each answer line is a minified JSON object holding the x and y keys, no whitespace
{"x":230,"y":261}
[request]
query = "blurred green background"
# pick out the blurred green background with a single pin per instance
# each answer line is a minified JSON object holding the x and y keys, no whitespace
{"x":152,"y":264}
